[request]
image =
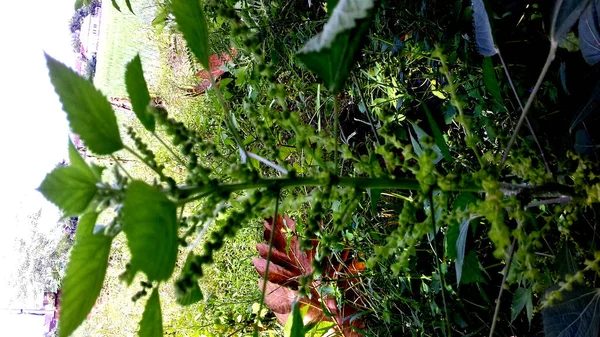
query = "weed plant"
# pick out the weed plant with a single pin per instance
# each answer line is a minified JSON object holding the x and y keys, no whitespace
{"x":391,"y":129}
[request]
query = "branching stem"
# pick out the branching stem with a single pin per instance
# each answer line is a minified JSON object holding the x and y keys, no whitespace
{"x":537,"y":86}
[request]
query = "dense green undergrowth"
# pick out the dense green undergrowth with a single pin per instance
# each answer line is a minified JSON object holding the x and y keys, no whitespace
{"x":442,"y":144}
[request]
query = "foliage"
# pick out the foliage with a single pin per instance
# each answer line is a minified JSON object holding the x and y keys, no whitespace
{"x":434,"y":174}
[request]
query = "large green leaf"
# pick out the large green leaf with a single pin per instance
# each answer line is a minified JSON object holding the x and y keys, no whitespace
{"x":576,"y":315}
{"x":85,"y":274}
{"x":150,"y":224}
{"x":483,"y":30}
{"x":70,"y":188}
{"x":89,"y":113}
{"x":151,"y":323}
{"x":471,"y":269}
{"x":564,"y":16}
{"x":521,"y":300}
{"x":331,"y":53}
{"x":589,"y":33}
{"x":191,"y":21}
{"x":138,"y":92}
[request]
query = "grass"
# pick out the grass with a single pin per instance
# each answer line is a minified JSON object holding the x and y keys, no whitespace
{"x":230,"y":285}
{"x":122,"y":36}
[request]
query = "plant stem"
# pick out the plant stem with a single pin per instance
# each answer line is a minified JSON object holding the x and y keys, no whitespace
{"x":537,"y":86}
{"x":336,"y":133}
{"x":362,"y":98}
{"x":535,"y":139}
{"x":506,"y":270}
{"x":437,"y":263}
{"x":179,"y":160}
{"x":228,"y":117}
{"x":160,"y":174}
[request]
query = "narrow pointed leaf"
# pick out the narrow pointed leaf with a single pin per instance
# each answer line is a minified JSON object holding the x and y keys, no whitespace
{"x":576,"y":315}
{"x":483,"y":30}
{"x":88,"y":111}
{"x":128,"y":3}
{"x":85,"y":275}
{"x":115,"y":5}
{"x":461,"y":243}
{"x":490,"y":81}
{"x":191,"y":21}
{"x":150,"y":224}
{"x":437,"y":135}
{"x":151,"y":323}
{"x":331,"y":53}
{"x":138,"y":92}
{"x":589,"y":33}
{"x":564,"y":16}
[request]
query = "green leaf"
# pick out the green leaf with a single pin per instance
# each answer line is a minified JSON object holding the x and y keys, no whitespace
{"x":192,"y":295}
{"x":89,"y":113}
{"x":576,"y":315}
{"x":437,"y":135}
{"x":77,"y":162}
{"x":471,"y":269}
{"x":564,"y":16}
{"x":483,"y":30}
{"x":191,"y":21}
{"x":375,"y":195}
{"x":151,"y":323}
{"x":319,"y":329}
{"x":522,"y":298}
{"x":331,"y":53}
{"x":589,"y":33}
{"x":490,"y":80}
{"x":115,"y":5}
{"x":150,"y":224}
{"x":85,"y":274}
{"x":138,"y":92}
{"x":128,"y":3}
{"x":451,"y":238}
{"x":461,"y":243}
{"x":294,"y":327}
{"x":70,"y":188}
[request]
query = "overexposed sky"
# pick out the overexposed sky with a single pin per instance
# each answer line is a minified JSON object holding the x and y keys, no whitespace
{"x":33,"y":128}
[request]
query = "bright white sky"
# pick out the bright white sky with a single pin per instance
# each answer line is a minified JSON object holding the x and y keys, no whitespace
{"x":34,"y":130}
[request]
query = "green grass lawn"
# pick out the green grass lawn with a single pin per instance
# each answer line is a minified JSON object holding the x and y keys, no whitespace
{"x":230,"y":285}
{"x":122,"y":36}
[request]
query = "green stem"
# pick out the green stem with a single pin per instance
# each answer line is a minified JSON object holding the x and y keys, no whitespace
{"x":535,"y":139}
{"x":447,"y":333}
{"x":336,"y":134}
{"x":368,"y":110}
{"x":179,"y":160}
{"x":537,"y":86}
{"x":160,"y":174}
{"x":506,"y":271}
{"x":196,"y":193}
{"x":228,"y":116}
{"x":456,"y":103}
